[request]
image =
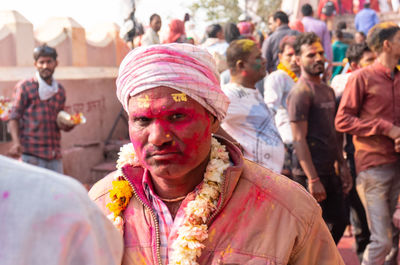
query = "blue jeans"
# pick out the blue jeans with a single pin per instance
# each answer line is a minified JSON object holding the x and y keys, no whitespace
{"x":54,"y":164}
{"x":379,"y":188}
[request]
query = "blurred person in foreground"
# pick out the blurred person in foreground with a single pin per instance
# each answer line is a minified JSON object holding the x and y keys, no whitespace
{"x":48,"y":218}
{"x":311,"y":108}
{"x":277,"y":86}
{"x":183,"y":196}
{"x":35,"y":132}
{"x":369,"y":111}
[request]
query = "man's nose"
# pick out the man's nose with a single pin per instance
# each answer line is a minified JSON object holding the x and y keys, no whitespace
{"x":320,"y":57}
{"x":159,"y":134}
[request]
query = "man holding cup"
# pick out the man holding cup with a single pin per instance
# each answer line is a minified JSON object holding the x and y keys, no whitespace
{"x":33,"y":123}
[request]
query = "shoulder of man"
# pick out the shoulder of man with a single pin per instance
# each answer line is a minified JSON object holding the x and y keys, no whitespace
{"x":280,"y":191}
{"x":102,"y":187}
{"x":27,"y":82}
{"x":276,"y":76}
{"x":301,"y":85}
{"x":58,"y":189}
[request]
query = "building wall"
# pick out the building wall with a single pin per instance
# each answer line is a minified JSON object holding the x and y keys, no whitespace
{"x":87,"y":69}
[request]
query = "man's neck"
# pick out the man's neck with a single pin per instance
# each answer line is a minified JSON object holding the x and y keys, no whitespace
{"x":312,"y":78}
{"x":387,"y":60}
{"x":237,"y":79}
{"x":177,"y":187}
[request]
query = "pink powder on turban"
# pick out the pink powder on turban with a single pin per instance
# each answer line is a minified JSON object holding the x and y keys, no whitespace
{"x":183,"y":67}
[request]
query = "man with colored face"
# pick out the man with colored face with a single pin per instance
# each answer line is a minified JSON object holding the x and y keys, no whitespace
{"x":277,"y":86}
{"x":311,"y":107}
{"x":33,"y":122}
{"x":249,"y":121}
{"x":183,"y":195}
{"x":369,"y":111}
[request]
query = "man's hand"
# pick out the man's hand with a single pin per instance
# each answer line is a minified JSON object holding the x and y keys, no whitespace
{"x":65,"y":127}
{"x":394,"y":132}
{"x":345,"y":176}
{"x":397,"y":145}
{"x":396,"y":218}
{"x":15,"y":150}
{"x":317,"y":190}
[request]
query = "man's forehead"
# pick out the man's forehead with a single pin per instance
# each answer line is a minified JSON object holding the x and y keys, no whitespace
{"x":167,"y":99}
{"x":314,"y":47}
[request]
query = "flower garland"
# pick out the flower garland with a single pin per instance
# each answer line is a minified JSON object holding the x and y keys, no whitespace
{"x":121,"y":192}
{"x":288,"y":71}
{"x":193,"y":231}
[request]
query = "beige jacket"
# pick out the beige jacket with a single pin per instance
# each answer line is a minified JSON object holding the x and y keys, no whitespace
{"x":262,"y":218}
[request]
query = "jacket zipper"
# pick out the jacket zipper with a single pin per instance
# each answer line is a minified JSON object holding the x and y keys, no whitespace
{"x":153,"y":216}
{"x":220,"y":205}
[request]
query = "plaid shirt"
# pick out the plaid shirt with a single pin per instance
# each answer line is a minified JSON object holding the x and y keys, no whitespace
{"x":167,"y":226}
{"x":38,"y":130}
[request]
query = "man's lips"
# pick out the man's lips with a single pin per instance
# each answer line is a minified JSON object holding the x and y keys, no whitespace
{"x":163,"y":154}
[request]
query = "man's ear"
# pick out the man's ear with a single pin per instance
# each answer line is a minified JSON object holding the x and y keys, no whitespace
{"x":387,"y":45}
{"x":298,"y":60}
{"x":354,"y":66}
{"x":239,"y":65}
{"x":280,"y":57}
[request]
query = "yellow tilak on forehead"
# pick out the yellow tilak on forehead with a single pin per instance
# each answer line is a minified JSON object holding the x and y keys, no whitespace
{"x":178,"y":97}
{"x":246,"y":44}
{"x":144,"y":102}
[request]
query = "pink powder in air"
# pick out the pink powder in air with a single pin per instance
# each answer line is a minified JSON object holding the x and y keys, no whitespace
{"x":6,"y":194}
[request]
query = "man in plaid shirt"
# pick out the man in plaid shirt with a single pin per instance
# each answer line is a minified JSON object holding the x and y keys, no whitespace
{"x":36,"y":104}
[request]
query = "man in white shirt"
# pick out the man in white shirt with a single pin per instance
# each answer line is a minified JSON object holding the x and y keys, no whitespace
{"x":359,"y":55}
{"x":277,"y":86}
{"x":249,"y":121}
{"x":151,"y":35}
{"x":216,"y":45}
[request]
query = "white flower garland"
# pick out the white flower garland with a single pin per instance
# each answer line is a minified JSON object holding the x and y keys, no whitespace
{"x":188,"y":245}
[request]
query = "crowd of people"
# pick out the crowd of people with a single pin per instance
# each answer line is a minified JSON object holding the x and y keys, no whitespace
{"x":245,"y":149}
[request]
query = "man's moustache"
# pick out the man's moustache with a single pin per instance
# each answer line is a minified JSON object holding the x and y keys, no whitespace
{"x":157,"y":150}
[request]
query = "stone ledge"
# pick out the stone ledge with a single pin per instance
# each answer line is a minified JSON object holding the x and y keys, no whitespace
{"x":72,"y":73}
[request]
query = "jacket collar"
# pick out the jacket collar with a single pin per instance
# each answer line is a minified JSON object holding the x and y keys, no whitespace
{"x":283,"y":27}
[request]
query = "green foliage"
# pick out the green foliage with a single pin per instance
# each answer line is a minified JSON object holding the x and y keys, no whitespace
{"x":218,"y":10}
{"x":229,"y":10}
{"x":267,"y":8}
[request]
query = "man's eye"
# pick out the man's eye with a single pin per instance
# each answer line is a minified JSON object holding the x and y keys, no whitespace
{"x":141,"y":121}
{"x":177,"y":117}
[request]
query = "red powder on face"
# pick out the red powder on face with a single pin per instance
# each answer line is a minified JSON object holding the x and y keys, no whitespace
{"x":169,"y":136}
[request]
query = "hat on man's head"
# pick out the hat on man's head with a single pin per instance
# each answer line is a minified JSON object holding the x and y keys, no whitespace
{"x":183,"y":67}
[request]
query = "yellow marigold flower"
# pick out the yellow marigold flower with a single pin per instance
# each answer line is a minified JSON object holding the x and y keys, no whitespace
{"x":120,"y":195}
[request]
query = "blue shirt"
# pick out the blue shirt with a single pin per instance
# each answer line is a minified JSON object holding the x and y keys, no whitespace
{"x":365,"y":20}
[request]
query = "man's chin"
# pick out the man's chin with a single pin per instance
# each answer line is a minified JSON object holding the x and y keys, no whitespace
{"x":167,"y":171}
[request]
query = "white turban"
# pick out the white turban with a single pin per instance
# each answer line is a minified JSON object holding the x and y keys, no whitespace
{"x":183,"y":67}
